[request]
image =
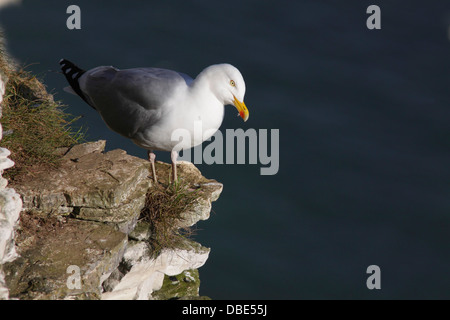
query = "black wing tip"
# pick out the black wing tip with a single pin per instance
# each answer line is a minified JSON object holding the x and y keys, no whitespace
{"x":70,"y":69}
{"x":66,"y":63}
{"x":72,"y":74}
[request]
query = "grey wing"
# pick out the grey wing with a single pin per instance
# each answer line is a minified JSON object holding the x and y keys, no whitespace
{"x":130,"y":100}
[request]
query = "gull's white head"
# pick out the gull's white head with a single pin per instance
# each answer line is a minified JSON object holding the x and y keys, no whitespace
{"x":227,"y":83}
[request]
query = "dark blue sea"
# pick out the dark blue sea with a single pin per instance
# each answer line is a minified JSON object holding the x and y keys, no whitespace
{"x":364,"y":132}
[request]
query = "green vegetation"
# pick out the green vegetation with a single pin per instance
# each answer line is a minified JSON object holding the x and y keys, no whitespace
{"x":34,"y":125}
{"x":184,"y":286}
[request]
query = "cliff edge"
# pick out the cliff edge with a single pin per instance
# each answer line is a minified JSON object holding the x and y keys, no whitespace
{"x":81,"y":235}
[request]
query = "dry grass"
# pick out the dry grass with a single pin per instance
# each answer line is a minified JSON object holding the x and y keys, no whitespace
{"x":34,"y":125}
{"x":163,"y":211}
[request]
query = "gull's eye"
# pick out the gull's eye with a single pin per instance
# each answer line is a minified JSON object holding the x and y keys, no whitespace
{"x":232,"y":83}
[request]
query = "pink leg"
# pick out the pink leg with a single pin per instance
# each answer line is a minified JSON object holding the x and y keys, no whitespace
{"x":173,"y":157}
{"x":151,"y":158}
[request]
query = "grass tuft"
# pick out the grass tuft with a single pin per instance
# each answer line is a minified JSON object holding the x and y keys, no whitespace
{"x":163,"y":211}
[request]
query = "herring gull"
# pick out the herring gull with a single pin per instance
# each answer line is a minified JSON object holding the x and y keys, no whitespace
{"x":147,"y":105}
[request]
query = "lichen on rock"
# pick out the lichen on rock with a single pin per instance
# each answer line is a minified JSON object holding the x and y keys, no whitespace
{"x":184,"y":286}
{"x":42,"y":270}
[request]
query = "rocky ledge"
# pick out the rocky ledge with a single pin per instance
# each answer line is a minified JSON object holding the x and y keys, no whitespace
{"x":80,"y":236}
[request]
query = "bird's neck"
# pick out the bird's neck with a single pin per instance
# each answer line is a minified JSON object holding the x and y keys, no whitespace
{"x":208,"y":105}
{"x":201,"y":86}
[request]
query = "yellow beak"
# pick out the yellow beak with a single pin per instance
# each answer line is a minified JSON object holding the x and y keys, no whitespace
{"x":240,"y":106}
